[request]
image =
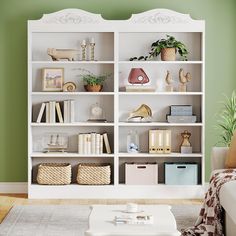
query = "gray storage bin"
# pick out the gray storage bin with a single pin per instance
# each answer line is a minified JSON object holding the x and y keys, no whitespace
{"x":181,"y":173}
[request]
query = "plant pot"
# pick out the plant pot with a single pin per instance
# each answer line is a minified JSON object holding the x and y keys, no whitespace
{"x":218,"y":156}
{"x":93,"y":88}
{"x":168,"y":54}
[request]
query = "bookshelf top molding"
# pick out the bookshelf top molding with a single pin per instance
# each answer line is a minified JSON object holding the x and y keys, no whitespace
{"x":151,"y":17}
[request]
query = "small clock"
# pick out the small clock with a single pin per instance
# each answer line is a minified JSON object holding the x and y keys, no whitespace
{"x":96,"y":113}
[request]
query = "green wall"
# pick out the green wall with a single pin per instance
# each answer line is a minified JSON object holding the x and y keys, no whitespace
{"x":220,"y":61}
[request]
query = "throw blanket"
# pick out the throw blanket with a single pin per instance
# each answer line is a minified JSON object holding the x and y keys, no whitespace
{"x":210,"y":219}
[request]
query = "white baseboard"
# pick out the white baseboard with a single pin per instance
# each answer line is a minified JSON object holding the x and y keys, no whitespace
{"x":22,"y":187}
{"x":13,"y":187}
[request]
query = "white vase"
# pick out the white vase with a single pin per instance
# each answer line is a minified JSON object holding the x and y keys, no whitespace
{"x":218,"y":156}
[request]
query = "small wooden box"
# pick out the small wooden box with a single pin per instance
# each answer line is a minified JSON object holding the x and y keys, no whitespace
{"x":141,"y":174}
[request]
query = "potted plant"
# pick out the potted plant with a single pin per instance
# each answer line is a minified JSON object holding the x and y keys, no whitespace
{"x":226,"y":125}
{"x":167,"y":48}
{"x":92,"y":82}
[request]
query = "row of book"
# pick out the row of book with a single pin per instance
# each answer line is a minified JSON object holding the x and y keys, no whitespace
{"x":52,"y":112}
{"x":92,"y":143}
{"x":159,"y":141}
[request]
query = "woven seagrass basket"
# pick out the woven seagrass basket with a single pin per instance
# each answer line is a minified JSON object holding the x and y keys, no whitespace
{"x":54,"y":174}
{"x":168,"y":54}
{"x":94,"y":174}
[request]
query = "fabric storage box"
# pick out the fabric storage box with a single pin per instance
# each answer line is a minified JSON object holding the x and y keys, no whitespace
{"x":141,"y":174}
{"x":54,"y":174}
{"x":94,"y":174}
{"x":181,"y":173}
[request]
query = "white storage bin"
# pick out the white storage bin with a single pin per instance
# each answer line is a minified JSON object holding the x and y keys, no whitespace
{"x":181,"y":173}
{"x":141,"y":174}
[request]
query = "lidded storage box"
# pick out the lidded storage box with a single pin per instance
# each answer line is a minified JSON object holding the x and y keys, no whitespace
{"x":141,"y":174}
{"x":181,"y":173}
{"x":54,"y":174}
{"x":94,"y":174}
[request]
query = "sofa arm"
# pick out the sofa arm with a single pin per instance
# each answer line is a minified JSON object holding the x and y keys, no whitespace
{"x":218,"y":156}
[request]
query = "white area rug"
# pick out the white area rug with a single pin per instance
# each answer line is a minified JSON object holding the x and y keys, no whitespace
{"x":62,"y":220}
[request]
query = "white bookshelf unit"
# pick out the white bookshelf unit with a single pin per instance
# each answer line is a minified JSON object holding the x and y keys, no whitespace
{"x":116,"y":42}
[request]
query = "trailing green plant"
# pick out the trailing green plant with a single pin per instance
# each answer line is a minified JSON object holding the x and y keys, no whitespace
{"x":91,"y":79}
{"x":226,"y":123}
{"x":157,"y":46}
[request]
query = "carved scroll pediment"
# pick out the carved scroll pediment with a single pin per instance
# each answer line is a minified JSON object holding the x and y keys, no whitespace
{"x":71,"y":16}
{"x":161,"y":16}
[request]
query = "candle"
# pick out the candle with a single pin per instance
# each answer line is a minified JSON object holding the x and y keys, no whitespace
{"x":83,"y":42}
{"x":92,"y":40}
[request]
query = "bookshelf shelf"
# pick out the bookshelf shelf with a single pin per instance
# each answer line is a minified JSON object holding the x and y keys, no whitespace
{"x":71,"y":93}
{"x":158,"y":124}
{"x":161,"y":93}
{"x":115,"y":43}
{"x":174,"y":154}
{"x":71,"y":62}
{"x":160,"y":62}
{"x":71,"y":124}
{"x":69,"y":154}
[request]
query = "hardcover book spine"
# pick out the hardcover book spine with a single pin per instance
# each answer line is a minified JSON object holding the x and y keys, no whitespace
{"x":89,"y":144}
{"x":65,"y":112}
{"x":101,"y":145}
{"x":59,"y":113}
{"x":40,"y":115}
{"x":85,"y":144}
{"x":93,"y":143}
{"x":97,"y":145}
{"x":72,"y":111}
{"x":107,"y":144}
{"x":47,"y":113}
{"x":81,"y":143}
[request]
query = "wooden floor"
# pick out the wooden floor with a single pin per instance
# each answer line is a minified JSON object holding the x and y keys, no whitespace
{"x":9,"y":200}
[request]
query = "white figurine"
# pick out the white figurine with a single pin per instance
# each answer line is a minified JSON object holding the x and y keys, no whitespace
{"x":169,"y":81}
{"x":183,"y":79}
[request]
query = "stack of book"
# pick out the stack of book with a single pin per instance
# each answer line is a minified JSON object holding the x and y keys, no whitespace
{"x":92,"y":143}
{"x":52,"y":112}
{"x":159,"y":141}
{"x":134,"y":219}
{"x":181,"y":114}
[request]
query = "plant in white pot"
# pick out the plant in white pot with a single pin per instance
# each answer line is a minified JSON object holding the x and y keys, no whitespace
{"x":226,"y":125}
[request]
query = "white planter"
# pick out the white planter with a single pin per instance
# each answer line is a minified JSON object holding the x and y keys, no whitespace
{"x":218,"y":156}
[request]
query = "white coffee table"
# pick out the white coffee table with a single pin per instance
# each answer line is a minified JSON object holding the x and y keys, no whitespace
{"x":101,"y":222}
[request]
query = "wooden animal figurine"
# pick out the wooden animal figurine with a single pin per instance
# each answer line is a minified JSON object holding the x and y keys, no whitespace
{"x":183,"y":79}
{"x":141,"y":114}
{"x":57,"y":54}
{"x":169,"y":81}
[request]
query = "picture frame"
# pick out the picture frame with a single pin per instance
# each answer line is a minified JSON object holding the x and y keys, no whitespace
{"x":53,"y":79}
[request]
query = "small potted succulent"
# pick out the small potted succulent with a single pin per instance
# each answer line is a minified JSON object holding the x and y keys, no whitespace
{"x":167,"y":48}
{"x":92,"y":82}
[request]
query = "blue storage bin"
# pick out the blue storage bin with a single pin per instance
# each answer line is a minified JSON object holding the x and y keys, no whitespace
{"x":181,"y":173}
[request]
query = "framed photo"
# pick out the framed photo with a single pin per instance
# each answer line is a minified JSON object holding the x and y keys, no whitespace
{"x":53,"y":79}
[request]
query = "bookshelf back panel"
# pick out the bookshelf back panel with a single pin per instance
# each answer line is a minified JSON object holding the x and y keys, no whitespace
{"x":39,"y":132}
{"x":160,"y":161}
{"x":157,"y":74}
{"x":158,"y":104}
{"x":82,"y":105}
{"x":176,"y":139}
{"x":73,"y":73}
{"x":74,"y":163}
{"x":104,"y":44}
{"x":139,"y":44}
